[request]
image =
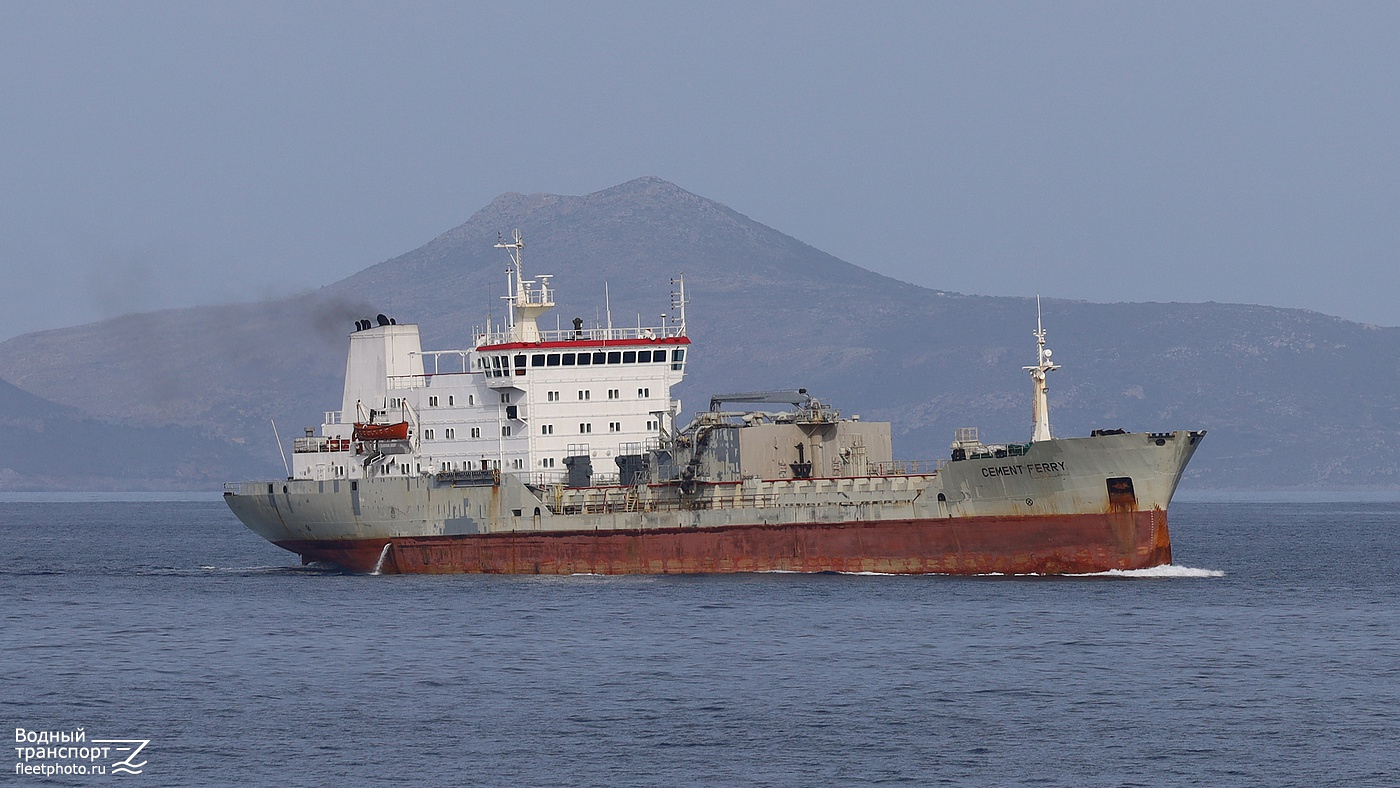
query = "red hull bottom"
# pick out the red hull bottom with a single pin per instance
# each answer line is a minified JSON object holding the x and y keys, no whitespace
{"x":1050,"y":544}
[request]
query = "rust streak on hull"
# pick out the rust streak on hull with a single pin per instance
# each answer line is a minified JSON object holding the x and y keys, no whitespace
{"x":1043,"y":544}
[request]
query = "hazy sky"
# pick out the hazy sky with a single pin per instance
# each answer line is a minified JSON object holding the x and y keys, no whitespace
{"x":170,"y":154}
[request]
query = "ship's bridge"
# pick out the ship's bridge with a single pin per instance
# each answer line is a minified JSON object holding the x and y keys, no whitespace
{"x":504,"y":364}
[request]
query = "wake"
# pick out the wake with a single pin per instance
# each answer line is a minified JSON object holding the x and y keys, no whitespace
{"x":1165,"y":571}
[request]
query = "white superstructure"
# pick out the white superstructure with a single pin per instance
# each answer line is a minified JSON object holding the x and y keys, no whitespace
{"x":521,"y":401}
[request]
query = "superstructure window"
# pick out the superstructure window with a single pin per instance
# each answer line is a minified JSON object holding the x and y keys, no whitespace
{"x":547,"y":462}
{"x":432,"y":402}
{"x":614,"y":394}
{"x":585,"y":394}
{"x":505,"y":431}
{"x":614,"y":426}
{"x":551,"y":396}
{"x":427,"y":434}
{"x":643,"y":393}
{"x":450,"y":433}
{"x":546,"y":429}
{"x":677,"y":358}
{"x":651,"y":424}
{"x":476,"y":432}
{"x":584,"y":428}
{"x":505,"y":397}
{"x":449,"y":400}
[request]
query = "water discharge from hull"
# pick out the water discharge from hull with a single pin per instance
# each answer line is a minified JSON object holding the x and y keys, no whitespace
{"x":383,"y":554}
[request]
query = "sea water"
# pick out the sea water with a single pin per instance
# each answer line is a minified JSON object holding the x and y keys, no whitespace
{"x":1269,"y":654}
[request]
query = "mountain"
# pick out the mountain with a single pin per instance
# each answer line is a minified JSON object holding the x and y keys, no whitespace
{"x":56,"y":447}
{"x":1290,"y":397}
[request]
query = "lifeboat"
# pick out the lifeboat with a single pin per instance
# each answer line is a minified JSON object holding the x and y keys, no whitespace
{"x":381,"y":432}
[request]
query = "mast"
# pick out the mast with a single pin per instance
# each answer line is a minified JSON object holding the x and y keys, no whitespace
{"x":525,"y":301}
{"x":1040,"y":403}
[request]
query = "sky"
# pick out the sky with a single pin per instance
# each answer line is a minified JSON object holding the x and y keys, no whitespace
{"x":157,"y":155}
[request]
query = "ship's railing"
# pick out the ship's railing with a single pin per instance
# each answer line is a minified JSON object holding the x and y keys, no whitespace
{"x":319,"y":443}
{"x":471,"y":478}
{"x":248,"y":488}
{"x":543,"y":478}
{"x":535,"y":295}
{"x":907,"y":467}
{"x":596,"y":500}
{"x":585,"y":335}
{"x":457,"y":362}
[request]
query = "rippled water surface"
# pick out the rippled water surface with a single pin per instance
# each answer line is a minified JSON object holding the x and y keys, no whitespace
{"x":1269,"y":655}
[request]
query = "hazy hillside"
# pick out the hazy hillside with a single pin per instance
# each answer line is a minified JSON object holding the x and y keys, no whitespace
{"x":1291,"y":398}
{"x":54,"y":447}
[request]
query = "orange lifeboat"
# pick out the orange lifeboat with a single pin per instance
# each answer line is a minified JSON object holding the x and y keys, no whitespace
{"x":381,"y":432}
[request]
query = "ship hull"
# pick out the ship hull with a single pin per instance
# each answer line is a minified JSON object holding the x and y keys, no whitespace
{"x":1053,"y":544}
{"x":1066,"y":506}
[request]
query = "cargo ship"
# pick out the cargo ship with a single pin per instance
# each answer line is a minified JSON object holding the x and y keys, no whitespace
{"x":562,"y":451}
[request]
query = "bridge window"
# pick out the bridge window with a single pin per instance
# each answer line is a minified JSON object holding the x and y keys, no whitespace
{"x":677,"y":358}
{"x":629,"y":356}
{"x":584,"y":359}
{"x":568,"y":359}
{"x":520,"y":361}
{"x":644,"y":356}
{"x":552,"y":360}
{"x":537,"y":360}
{"x":599,"y":357}
{"x":615,"y":357}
